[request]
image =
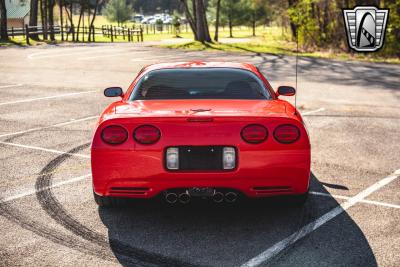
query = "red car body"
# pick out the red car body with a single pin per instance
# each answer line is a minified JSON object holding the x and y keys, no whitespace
{"x":136,"y":170}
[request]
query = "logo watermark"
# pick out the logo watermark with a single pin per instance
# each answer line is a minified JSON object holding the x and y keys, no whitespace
{"x":365,"y":27}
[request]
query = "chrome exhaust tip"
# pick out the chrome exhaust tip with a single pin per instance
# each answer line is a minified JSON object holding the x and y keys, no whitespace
{"x":231,"y":197}
{"x":184,"y":198}
{"x":218,"y":197}
{"x":171,"y":198}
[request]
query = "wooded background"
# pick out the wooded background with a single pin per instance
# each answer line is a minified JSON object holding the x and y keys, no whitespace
{"x":319,"y":24}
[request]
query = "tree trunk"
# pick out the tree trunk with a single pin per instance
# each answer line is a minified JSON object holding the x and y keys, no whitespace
{"x":293,"y":26}
{"x":254,"y":23}
{"x":79,"y":25}
{"x":217,"y":20}
{"x":3,"y":21}
{"x":61,"y":4}
{"x":190,"y":18}
{"x":44,"y":17}
{"x":199,"y":22}
{"x":230,"y":24}
{"x":93,"y":18}
{"x":51,"y":4}
{"x":205,"y":22}
{"x":33,"y":17}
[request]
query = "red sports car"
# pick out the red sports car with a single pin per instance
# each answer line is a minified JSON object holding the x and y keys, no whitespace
{"x":213,"y":130}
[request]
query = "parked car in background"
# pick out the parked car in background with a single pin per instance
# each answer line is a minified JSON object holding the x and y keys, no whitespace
{"x":147,"y":20}
{"x":137,"y":18}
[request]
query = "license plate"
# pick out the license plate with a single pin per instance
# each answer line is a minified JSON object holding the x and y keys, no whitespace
{"x":197,"y":158}
{"x":201,"y":191}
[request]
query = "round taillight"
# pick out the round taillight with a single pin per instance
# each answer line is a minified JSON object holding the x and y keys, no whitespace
{"x":146,"y":134}
{"x":114,"y":135}
{"x":286,"y":134}
{"x":254,"y":133}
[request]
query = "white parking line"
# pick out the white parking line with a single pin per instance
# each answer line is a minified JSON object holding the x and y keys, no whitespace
{"x":50,"y":126}
{"x":310,"y":227}
{"x":312,"y":111}
{"x":361,"y":201}
{"x":46,"y":150}
{"x":115,"y":54}
{"x":58,"y":53}
{"x":32,"y":192}
{"x":46,"y":97}
{"x":10,"y":85}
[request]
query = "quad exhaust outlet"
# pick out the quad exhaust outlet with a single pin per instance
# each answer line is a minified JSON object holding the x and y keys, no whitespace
{"x":218,"y":197}
{"x":171,"y":198}
{"x":231,"y":197}
{"x":184,"y":197}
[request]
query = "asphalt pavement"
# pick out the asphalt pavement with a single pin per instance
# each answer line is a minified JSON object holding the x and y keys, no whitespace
{"x":51,"y":97}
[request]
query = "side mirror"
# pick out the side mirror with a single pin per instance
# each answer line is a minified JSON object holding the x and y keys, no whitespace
{"x":113,"y":92}
{"x":286,"y":90}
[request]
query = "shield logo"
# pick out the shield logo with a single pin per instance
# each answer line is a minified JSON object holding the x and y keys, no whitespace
{"x":365,"y":27}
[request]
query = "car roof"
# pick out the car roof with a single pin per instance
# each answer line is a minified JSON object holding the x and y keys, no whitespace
{"x":201,"y":64}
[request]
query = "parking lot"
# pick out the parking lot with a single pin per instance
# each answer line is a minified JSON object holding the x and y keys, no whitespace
{"x":51,"y":97}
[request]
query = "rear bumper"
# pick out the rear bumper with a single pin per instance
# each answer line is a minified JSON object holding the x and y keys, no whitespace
{"x":141,"y":174}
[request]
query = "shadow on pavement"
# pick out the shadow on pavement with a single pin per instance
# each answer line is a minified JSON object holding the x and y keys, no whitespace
{"x":203,"y":233}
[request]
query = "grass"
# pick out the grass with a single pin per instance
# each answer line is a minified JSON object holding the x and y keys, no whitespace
{"x":270,"y":40}
{"x":277,"y":49}
{"x":273,"y":40}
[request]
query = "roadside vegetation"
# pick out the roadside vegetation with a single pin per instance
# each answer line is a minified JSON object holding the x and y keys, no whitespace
{"x":258,"y":26}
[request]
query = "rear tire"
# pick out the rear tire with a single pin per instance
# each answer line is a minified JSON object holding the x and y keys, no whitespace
{"x":299,"y":200}
{"x":102,"y":201}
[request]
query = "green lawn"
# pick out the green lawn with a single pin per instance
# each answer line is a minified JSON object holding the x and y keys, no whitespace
{"x":272,"y":40}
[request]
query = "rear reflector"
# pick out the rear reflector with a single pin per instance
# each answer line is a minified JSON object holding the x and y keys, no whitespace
{"x":172,"y":158}
{"x":114,"y":135}
{"x":286,"y":134}
{"x":254,"y":133}
{"x":229,"y":158}
{"x":146,"y":134}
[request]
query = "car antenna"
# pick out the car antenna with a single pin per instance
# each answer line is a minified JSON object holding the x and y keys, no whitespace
{"x":297,"y":59}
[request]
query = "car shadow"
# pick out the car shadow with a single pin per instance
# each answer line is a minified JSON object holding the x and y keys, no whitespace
{"x":210,"y":234}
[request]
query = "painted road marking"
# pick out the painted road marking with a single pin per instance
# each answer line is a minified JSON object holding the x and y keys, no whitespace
{"x":115,"y":54}
{"x":312,"y":226}
{"x":10,"y":85}
{"x":46,"y":150}
{"x":361,"y":201}
{"x":33,"y":191}
{"x":312,"y":111}
{"x":50,"y":126}
{"x":46,"y":97}
{"x":51,"y":54}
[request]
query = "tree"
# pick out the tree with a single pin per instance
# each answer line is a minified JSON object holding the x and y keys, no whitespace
{"x":201,"y":23}
{"x":218,"y":9}
{"x":197,"y":19}
{"x":293,"y":26}
{"x":33,"y":17}
{"x":3,"y":21}
{"x":233,"y":12}
{"x":51,"y":4}
{"x":253,"y":11}
{"x":118,"y":11}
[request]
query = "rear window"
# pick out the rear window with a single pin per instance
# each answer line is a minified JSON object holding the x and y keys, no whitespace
{"x":200,"y":83}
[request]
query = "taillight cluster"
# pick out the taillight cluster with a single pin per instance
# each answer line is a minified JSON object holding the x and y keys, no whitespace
{"x":256,"y":134}
{"x":145,"y":134}
{"x":114,"y":135}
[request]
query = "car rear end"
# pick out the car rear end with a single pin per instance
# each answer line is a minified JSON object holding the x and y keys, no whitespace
{"x":143,"y":157}
{"x":212,"y":132}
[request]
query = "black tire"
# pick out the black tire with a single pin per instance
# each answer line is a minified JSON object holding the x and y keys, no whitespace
{"x":299,"y":200}
{"x":105,"y":201}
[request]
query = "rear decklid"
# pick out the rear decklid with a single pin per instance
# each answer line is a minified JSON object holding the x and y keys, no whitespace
{"x":201,"y":108}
